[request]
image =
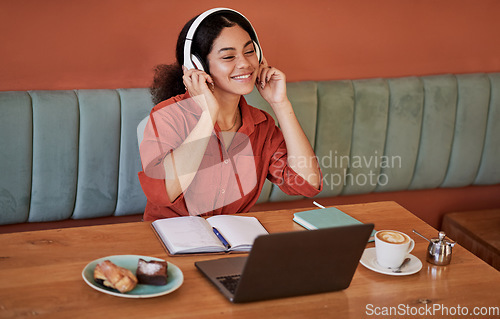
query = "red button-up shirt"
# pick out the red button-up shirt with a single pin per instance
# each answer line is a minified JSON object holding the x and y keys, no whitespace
{"x":227,"y":181}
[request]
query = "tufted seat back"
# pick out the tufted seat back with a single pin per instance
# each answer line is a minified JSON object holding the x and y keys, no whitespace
{"x":409,"y":133}
{"x":74,"y":154}
{"x":70,"y":154}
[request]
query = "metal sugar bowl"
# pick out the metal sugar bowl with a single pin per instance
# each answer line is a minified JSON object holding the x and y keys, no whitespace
{"x":439,"y":250}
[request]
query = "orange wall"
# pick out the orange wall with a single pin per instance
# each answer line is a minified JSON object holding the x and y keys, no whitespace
{"x":76,"y":44}
{"x":60,"y":44}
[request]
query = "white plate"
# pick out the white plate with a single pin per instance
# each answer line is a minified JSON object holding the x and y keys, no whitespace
{"x":369,"y":260}
{"x":174,"y":279}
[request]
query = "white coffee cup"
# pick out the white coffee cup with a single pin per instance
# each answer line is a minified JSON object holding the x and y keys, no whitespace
{"x":392,"y":247}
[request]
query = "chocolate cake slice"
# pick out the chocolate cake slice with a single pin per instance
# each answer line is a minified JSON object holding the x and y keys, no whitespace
{"x":152,"y":272}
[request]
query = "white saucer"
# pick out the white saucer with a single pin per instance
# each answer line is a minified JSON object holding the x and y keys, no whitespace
{"x":369,"y":260}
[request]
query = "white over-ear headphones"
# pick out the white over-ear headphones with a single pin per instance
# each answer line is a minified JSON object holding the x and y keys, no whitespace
{"x":191,"y":61}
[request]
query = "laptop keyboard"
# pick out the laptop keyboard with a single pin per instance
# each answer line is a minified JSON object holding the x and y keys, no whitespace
{"x":230,"y":282}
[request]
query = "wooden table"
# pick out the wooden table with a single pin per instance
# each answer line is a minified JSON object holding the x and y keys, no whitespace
{"x":40,"y":276}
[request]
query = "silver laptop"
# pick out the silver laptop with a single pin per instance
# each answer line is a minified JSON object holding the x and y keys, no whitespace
{"x":290,"y":264}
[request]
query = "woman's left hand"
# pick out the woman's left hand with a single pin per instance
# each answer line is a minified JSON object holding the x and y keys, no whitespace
{"x":271,"y":84}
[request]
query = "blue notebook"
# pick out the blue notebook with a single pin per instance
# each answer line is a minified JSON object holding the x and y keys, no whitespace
{"x":324,"y":218}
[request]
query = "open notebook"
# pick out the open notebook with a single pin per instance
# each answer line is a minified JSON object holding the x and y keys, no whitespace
{"x":221,"y":233}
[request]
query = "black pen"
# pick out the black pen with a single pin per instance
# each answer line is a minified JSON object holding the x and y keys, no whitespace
{"x":221,"y":238}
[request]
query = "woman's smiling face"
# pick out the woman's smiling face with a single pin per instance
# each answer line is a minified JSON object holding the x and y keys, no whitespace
{"x":233,"y":62}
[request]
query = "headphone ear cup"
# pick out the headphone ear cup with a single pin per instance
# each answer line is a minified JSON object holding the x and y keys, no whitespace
{"x":258,"y":52}
{"x":197,"y":62}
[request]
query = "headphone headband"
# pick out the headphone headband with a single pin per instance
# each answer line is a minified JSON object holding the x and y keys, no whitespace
{"x":193,"y":62}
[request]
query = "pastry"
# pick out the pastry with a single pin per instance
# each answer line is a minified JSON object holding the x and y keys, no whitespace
{"x":152,"y":272}
{"x":110,"y":275}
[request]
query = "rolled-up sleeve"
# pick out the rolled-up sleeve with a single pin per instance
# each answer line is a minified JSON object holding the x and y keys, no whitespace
{"x":156,"y":192}
{"x":284,"y":176}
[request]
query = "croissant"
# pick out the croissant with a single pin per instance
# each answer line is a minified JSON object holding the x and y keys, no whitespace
{"x":111,"y":275}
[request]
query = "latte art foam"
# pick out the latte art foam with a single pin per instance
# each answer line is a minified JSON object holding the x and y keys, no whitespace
{"x":392,"y":237}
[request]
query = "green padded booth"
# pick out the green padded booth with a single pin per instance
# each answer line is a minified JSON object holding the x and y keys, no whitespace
{"x":74,"y":154}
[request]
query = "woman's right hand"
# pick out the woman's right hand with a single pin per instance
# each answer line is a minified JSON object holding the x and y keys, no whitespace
{"x":199,"y":84}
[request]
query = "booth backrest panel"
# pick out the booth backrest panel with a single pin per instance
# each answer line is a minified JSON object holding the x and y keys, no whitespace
{"x":409,"y":133}
{"x":74,"y":154}
{"x":70,"y":154}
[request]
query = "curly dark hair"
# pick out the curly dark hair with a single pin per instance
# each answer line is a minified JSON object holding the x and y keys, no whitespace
{"x":167,"y":81}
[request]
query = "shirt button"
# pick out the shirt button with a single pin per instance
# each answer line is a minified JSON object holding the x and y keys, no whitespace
{"x":226,"y":161}
{"x":222,"y":191}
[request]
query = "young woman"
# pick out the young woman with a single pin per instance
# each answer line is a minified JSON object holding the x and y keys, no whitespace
{"x":205,"y":150}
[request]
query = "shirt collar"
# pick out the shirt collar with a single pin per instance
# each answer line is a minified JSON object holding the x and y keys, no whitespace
{"x":251,"y":117}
